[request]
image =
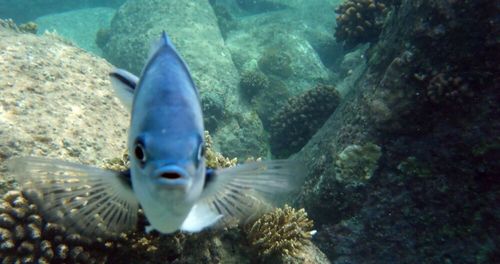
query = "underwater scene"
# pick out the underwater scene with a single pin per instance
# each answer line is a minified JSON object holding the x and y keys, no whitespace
{"x":249,"y":131}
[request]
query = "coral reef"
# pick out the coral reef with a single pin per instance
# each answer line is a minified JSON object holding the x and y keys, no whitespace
{"x":297,"y":121}
{"x":277,"y":62}
{"x":355,"y":164}
{"x":25,"y":237}
{"x":281,"y":232}
{"x":433,"y":196}
{"x":252,"y":82}
{"x":359,"y":21}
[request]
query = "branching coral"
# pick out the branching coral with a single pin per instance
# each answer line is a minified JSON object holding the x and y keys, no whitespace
{"x":215,"y":159}
{"x":297,"y":121}
{"x":25,"y":237}
{"x":281,"y":232}
{"x":359,"y":21}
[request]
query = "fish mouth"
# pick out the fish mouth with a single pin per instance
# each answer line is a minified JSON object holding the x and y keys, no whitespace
{"x":171,"y":177}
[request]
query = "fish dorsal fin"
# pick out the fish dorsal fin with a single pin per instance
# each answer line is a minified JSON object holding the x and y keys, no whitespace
{"x":244,"y":192}
{"x":124,"y":84}
{"x":91,"y":201}
{"x":158,"y":44}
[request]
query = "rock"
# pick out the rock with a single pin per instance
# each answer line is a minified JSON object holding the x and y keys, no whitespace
{"x":85,"y":23}
{"x":53,"y":101}
{"x":281,"y":45}
{"x":192,"y":25}
{"x":428,"y":176}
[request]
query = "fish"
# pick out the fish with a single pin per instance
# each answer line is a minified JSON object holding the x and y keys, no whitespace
{"x":168,"y":178}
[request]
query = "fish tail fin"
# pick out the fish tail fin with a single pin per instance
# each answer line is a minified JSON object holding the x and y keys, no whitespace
{"x":88,"y":200}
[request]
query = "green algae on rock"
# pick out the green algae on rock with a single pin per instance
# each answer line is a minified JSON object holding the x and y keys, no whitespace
{"x":277,"y":62}
{"x":355,"y":164}
{"x":29,"y":27}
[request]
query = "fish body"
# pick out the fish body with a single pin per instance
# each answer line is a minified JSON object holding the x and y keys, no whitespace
{"x":166,"y":130}
{"x":168,"y":177}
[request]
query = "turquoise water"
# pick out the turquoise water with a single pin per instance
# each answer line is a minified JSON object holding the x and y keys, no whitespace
{"x":387,"y":110}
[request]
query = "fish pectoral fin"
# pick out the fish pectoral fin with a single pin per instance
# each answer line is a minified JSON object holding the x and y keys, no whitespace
{"x":246,"y":191}
{"x":124,"y":84}
{"x":200,"y":217}
{"x":87,"y":200}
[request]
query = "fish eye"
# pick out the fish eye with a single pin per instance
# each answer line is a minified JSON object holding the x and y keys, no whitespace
{"x":139,"y":152}
{"x":201,"y":151}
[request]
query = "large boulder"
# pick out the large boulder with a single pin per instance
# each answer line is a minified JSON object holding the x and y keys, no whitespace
{"x":286,"y":43}
{"x":193,"y":28}
{"x":79,"y":26}
{"x":54,"y":97}
{"x":406,"y":169}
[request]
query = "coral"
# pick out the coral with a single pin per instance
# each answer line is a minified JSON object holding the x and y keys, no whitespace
{"x":449,"y":87}
{"x":281,"y":232}
{"x":118,"y":164}
{"x":277,"y":62}
{"x":215,"y":159}
{"x":355,"y":164}
{"x":297,"y":121}
{"x":359,"y":21}
{"x":30,"y":27}
{"x":102,"y":37}
{"x":25,"y":237}
{"x":252,"y":82}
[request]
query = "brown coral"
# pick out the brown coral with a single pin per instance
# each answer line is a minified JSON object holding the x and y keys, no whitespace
{"x":252,"y":82}
{"x":25,"y":237}
{"x":297,"y":121}
{"x":213,"y":158}
{"x":281,"y":232}
{"x":447,"y":86}
{"x":359,"y":21}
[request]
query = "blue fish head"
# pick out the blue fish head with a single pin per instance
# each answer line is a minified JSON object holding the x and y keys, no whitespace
{"x":170,"y":165}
